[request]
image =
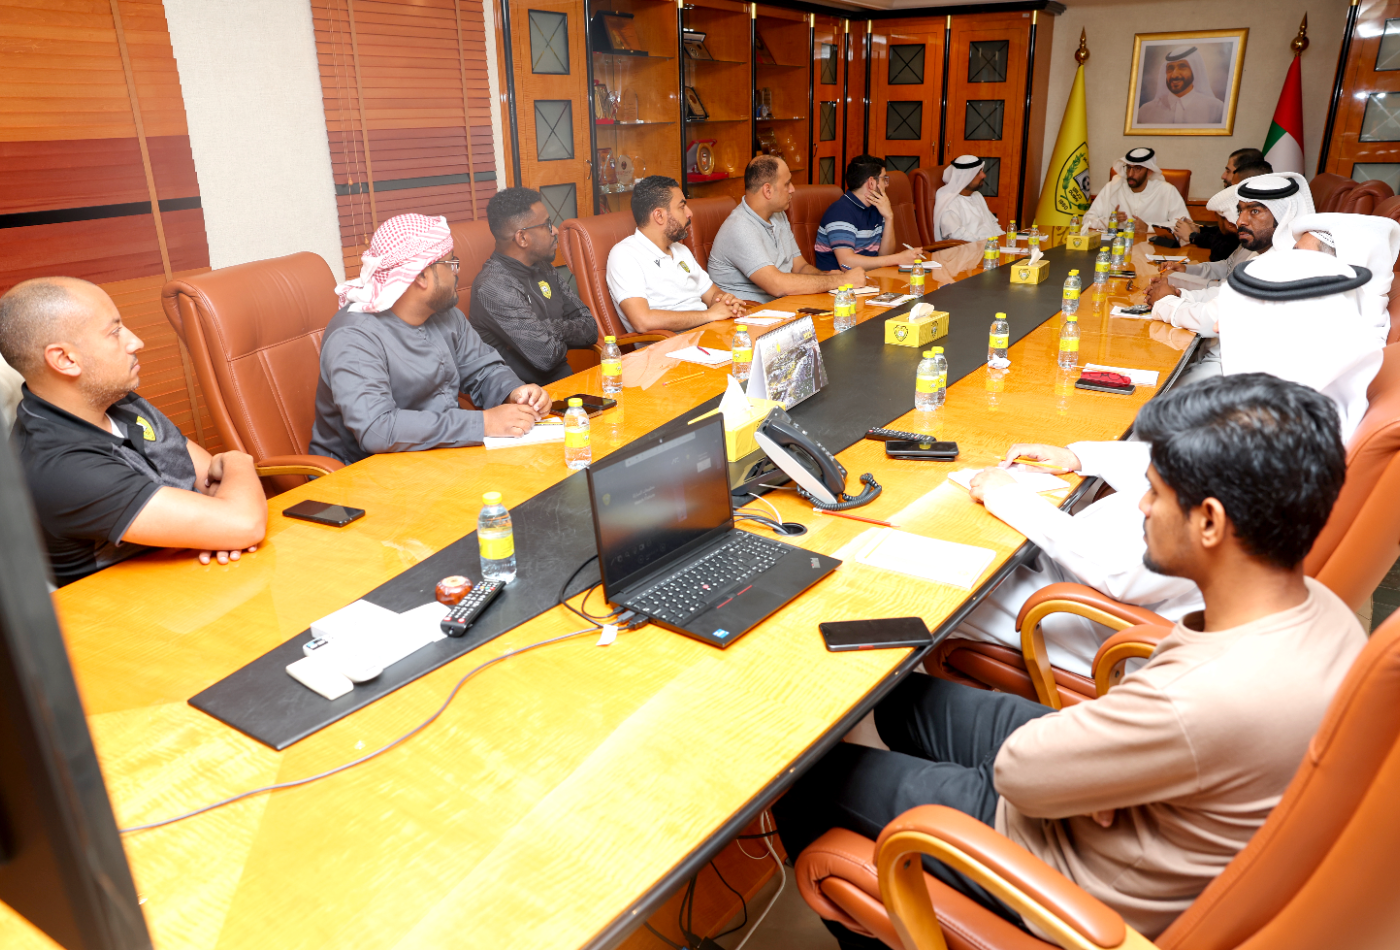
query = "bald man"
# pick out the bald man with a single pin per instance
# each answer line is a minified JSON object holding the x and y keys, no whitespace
{"x":111,"y":476}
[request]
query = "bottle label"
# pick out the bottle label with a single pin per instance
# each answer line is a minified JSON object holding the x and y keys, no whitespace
{"x":1069,"y":346}
{"x":576,"y":438}
{"x":1000,"y":340}
{"x":496,"y":549}
{"x":928,"y":384}
{"x":916,"y":280}
{"x":1101,"y":266}
{"x":743,"y":356}
{"x":612,"y":367}
{"x":1071,"y":293}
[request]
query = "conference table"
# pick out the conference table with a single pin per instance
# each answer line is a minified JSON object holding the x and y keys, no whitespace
{"x":568,"y":792}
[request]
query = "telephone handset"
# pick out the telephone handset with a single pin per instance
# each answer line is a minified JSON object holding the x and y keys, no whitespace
{"x":819,"y":477}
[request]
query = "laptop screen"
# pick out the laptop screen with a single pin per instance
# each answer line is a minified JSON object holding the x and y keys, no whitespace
{"x":656,"y":497}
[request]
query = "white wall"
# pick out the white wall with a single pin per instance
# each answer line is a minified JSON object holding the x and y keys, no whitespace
{"x":252,"y":92}
{"x":1272,"y":24}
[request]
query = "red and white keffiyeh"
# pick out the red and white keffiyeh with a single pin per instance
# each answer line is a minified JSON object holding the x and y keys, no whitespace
{"x":401,"y":249}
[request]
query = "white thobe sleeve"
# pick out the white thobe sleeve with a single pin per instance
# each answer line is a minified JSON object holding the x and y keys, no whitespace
{"x":961,"y":221}
{"x":1172,"y":207}
{"x":1106,"y":202}
{"x":1197,"y":310}
{"x":1122,"y":464}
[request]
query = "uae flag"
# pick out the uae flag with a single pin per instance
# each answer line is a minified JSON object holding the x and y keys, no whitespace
{"x":1283,"y":147}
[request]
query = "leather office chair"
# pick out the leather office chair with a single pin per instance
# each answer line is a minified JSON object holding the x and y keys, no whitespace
{"x":709,"y":214}
{"x":586,"y":243}
{"x":1321,"y":872}
{"x":473,"y":243}
{"x":925,"y":188}
{"x":1328,"y":189}
{"x":1388,"y":208}
{"x":809,"y":203}
{"x":906,"y":219}
{"x":1178,"y":178}
{"x":1356,"y":548}
{"x":1364,"y":197}
{"x":253,"y":332}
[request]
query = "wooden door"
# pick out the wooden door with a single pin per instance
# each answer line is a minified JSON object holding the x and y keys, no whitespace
{"x":1365,"y":141}
{"x":987,"y":100}
{"x":828,"y":99}
{"x":551,"y":103}
{"x":906,"y":79}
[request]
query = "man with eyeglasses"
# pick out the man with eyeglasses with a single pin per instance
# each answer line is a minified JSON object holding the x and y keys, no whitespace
{"x":858,"y":229}
{"x":396,"y":356}
{"x":519,"y":305}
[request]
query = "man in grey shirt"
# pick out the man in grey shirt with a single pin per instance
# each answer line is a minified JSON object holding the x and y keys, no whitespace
{"x":395,"y":357}
{"x":755,"y":256}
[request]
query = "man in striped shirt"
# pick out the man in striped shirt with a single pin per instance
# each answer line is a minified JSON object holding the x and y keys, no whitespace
{"x":858,"y":229}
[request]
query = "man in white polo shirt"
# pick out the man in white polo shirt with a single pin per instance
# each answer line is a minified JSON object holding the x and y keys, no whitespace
{"x":655,"y":282}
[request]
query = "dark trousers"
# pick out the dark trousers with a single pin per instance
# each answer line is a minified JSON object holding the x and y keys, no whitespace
{"x":944,"y":738}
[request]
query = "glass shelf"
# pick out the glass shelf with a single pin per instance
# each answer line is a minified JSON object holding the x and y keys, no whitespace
{"x":631,"y":125}
{"x":784,"y":65}
{"x":712,"y":121}
{"x":712,"y":181}
{"x":720,"y":62}
{"x":783,"y":118}
{"x":624,"y":55}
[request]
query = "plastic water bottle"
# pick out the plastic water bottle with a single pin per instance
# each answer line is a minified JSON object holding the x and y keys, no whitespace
{"x":496,"y":540}
{"x":1011,"y":234}
{"x":1069,"y":342}
{"x":916,"y":278}
{"x":1069,"y":298}
{"x":1101,"y":267}
{"x":742,"y":353}
{"x":1033,"y":240}
{"x":1076,"y":221}
{"x":930,"y":380}
{"x":578,"y":450}
{"x":1127,"y":235}
{"x":1117,"y":260}
{"x":845,"y":311}
{"x":991,"y":255}
{"x":612,"y":366}
{"x":1000,"y":339}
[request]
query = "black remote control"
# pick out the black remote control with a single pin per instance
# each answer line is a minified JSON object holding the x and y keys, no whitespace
{"x":463,"y":615}
{"x":895,"y":435}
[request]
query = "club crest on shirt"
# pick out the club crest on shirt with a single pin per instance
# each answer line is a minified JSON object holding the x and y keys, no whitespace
{"x":544,"y":289}
{"x":148,"y":431}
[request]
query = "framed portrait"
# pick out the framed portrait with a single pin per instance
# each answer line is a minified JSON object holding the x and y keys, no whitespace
{"x":1185,"y":83}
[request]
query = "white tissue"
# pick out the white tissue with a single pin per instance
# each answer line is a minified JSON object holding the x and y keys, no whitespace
{"x":734,"y":405}
{"x":1035,"y":255}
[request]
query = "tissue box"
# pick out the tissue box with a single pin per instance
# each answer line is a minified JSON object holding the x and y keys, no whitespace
{"x":739,"y":442}
{"x":909,"y":330}
{"x":1025,"y":272}
{"x":1083,"y":242}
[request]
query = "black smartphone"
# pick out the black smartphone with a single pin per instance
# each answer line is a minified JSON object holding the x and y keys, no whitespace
{"x":337,"y":516}
{"x":591,"y":404}
{"x":814,"y":311}
{"x":844,"y":635}
{"x":1127,"y":390}
{"x":929,"y":451}
{"x":1137,"y":310}
{"x":1123,"y":274}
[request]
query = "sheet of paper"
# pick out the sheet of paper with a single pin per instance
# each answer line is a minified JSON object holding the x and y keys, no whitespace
{"x":752,"y":320}
{"x":1140,"y":377}
{"x":1120,"y":312}
{"x":709,"y":356}
{"x":943,"y":562}
{"x":897,"y":301}
{"x":1159,"y":258}
{"x":780,"y":314}
{"x":542,"y":432}
{"x":1034,"y":481}
{"x":860,"y":291}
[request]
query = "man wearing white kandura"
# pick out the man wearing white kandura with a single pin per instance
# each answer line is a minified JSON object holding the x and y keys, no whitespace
{"x":1365,"y":239}
{"x":1141,"y":190}
{"x":1185,"y":97}
{"x":960,"y":213}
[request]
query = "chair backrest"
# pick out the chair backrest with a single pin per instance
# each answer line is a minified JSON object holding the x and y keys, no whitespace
{"x":1362,"y":537}
{"x":709,"y":214}
{"x":1327,"y":189}
{"x":906,"y":219}
{"x":1321,"y":872}
{"x":1178,"y":178}
{"x":1388,"y":208}
{"x":809,"y":203}
{"x":925,"y":188}
{"x":254,"y":335}
{"x":587,"y":242}
{"x":1364,"y":197}
{"x":473,"y":243}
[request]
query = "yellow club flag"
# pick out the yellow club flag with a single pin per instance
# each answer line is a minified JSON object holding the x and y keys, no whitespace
{"x":1066,"y":188}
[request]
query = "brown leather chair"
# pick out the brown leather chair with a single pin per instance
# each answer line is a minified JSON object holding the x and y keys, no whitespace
{"x":1178,"y":178}
{"x":254,"y":335}
{"x":809,"y":203}
{"x":709,"y":214}
{"x":1321,"y":872}
{"x":1388,"y":208}
{"x":586,"y":243}
{"x":473,"y":243}
{"x":906,"y":219}
{"x":1356,"y":548}
{"x":1364,"y":197}
{"x":925,"y":188}
{"x":1328,"y":189}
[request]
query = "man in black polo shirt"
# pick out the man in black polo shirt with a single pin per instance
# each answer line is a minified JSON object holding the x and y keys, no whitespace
{"x":110,"y":475}
{"x":519,"y":307}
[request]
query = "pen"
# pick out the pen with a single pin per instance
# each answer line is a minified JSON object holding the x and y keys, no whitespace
{"x":842,"y":514}
{"x":702,"y":349}
{"x":1025,"y":461}
{"x":679,"y":378}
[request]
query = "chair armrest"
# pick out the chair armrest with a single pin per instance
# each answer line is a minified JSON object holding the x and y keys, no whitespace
{"x":1050,"y":903}
{"x":297,"y":465}
{"x":1072,"y":599}
{"x":1137,"y":641}
{"x":654,"y":336}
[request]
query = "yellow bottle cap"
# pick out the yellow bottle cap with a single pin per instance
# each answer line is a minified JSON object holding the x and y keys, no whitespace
{"x":1074,"y":273}
{"x":492,"y":498}
{"x":575,"y":403}
{"x":741,"y":327}
{"x":937,"y":349}
{"x":928,"y":354}
{"x":1001,"y":316}
{"x":609,"y":339}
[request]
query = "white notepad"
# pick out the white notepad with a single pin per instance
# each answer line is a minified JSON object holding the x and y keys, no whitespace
{"x":763,"y":321}
{"x":780,"y":314}
{"x":542,"y":432}
{"x":709,"y":356}
{"x":1035,"y":481}
{"x":943,"y":562}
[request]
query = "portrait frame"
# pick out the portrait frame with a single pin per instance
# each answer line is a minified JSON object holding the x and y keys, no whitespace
{"x":1220,"y":52}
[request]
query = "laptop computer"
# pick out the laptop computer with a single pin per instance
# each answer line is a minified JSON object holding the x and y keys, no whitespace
{"x":668,"y":547}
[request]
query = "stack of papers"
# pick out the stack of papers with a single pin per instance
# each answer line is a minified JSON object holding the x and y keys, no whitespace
{"x":705,"y":356}
{"x":551,"y":430}
{"x":1034,"y":481}
{"x":1140,"y":377}
{"x":943,"y":562}
{"x":1159,"y":258}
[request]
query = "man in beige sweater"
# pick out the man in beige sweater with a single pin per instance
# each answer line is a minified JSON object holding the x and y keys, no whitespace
{"x":1143,"y":796}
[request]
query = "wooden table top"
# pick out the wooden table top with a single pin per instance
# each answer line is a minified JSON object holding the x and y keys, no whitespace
{"x":562,"y":785}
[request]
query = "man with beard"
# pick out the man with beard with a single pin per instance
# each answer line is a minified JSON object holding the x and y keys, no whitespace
{"x":1186,"y":97}
{"x":1140,"y":190}
{"x":654,"y":280}
{"x":519,"y":306}
{"x":960,"y":213}
{"x":1221,"y":239}
{"x":110,"y":475}
{"x":398,"y":353}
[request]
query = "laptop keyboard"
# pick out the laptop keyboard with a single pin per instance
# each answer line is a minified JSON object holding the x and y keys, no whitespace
{"x":714,"y":577}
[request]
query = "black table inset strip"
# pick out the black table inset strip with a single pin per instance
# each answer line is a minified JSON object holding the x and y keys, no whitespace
{"x":869,"y":384}
{"x":27,"y":219}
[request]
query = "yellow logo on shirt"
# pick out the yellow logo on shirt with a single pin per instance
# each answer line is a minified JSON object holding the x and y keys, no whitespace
{"x":685,"y":267}
{"x":147,"y":430}
{"x":544,"y":289}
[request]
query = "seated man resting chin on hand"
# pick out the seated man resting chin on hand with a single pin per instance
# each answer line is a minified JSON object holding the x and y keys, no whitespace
{"x":110,"y":475}
{"x":396,"y":356}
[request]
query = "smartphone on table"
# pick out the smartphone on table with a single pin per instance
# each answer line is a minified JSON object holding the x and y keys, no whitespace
{"x":921,"y":451}
{"x":843,"y":635}
{"x":591,"y":404}
{"x":337,"y":516}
